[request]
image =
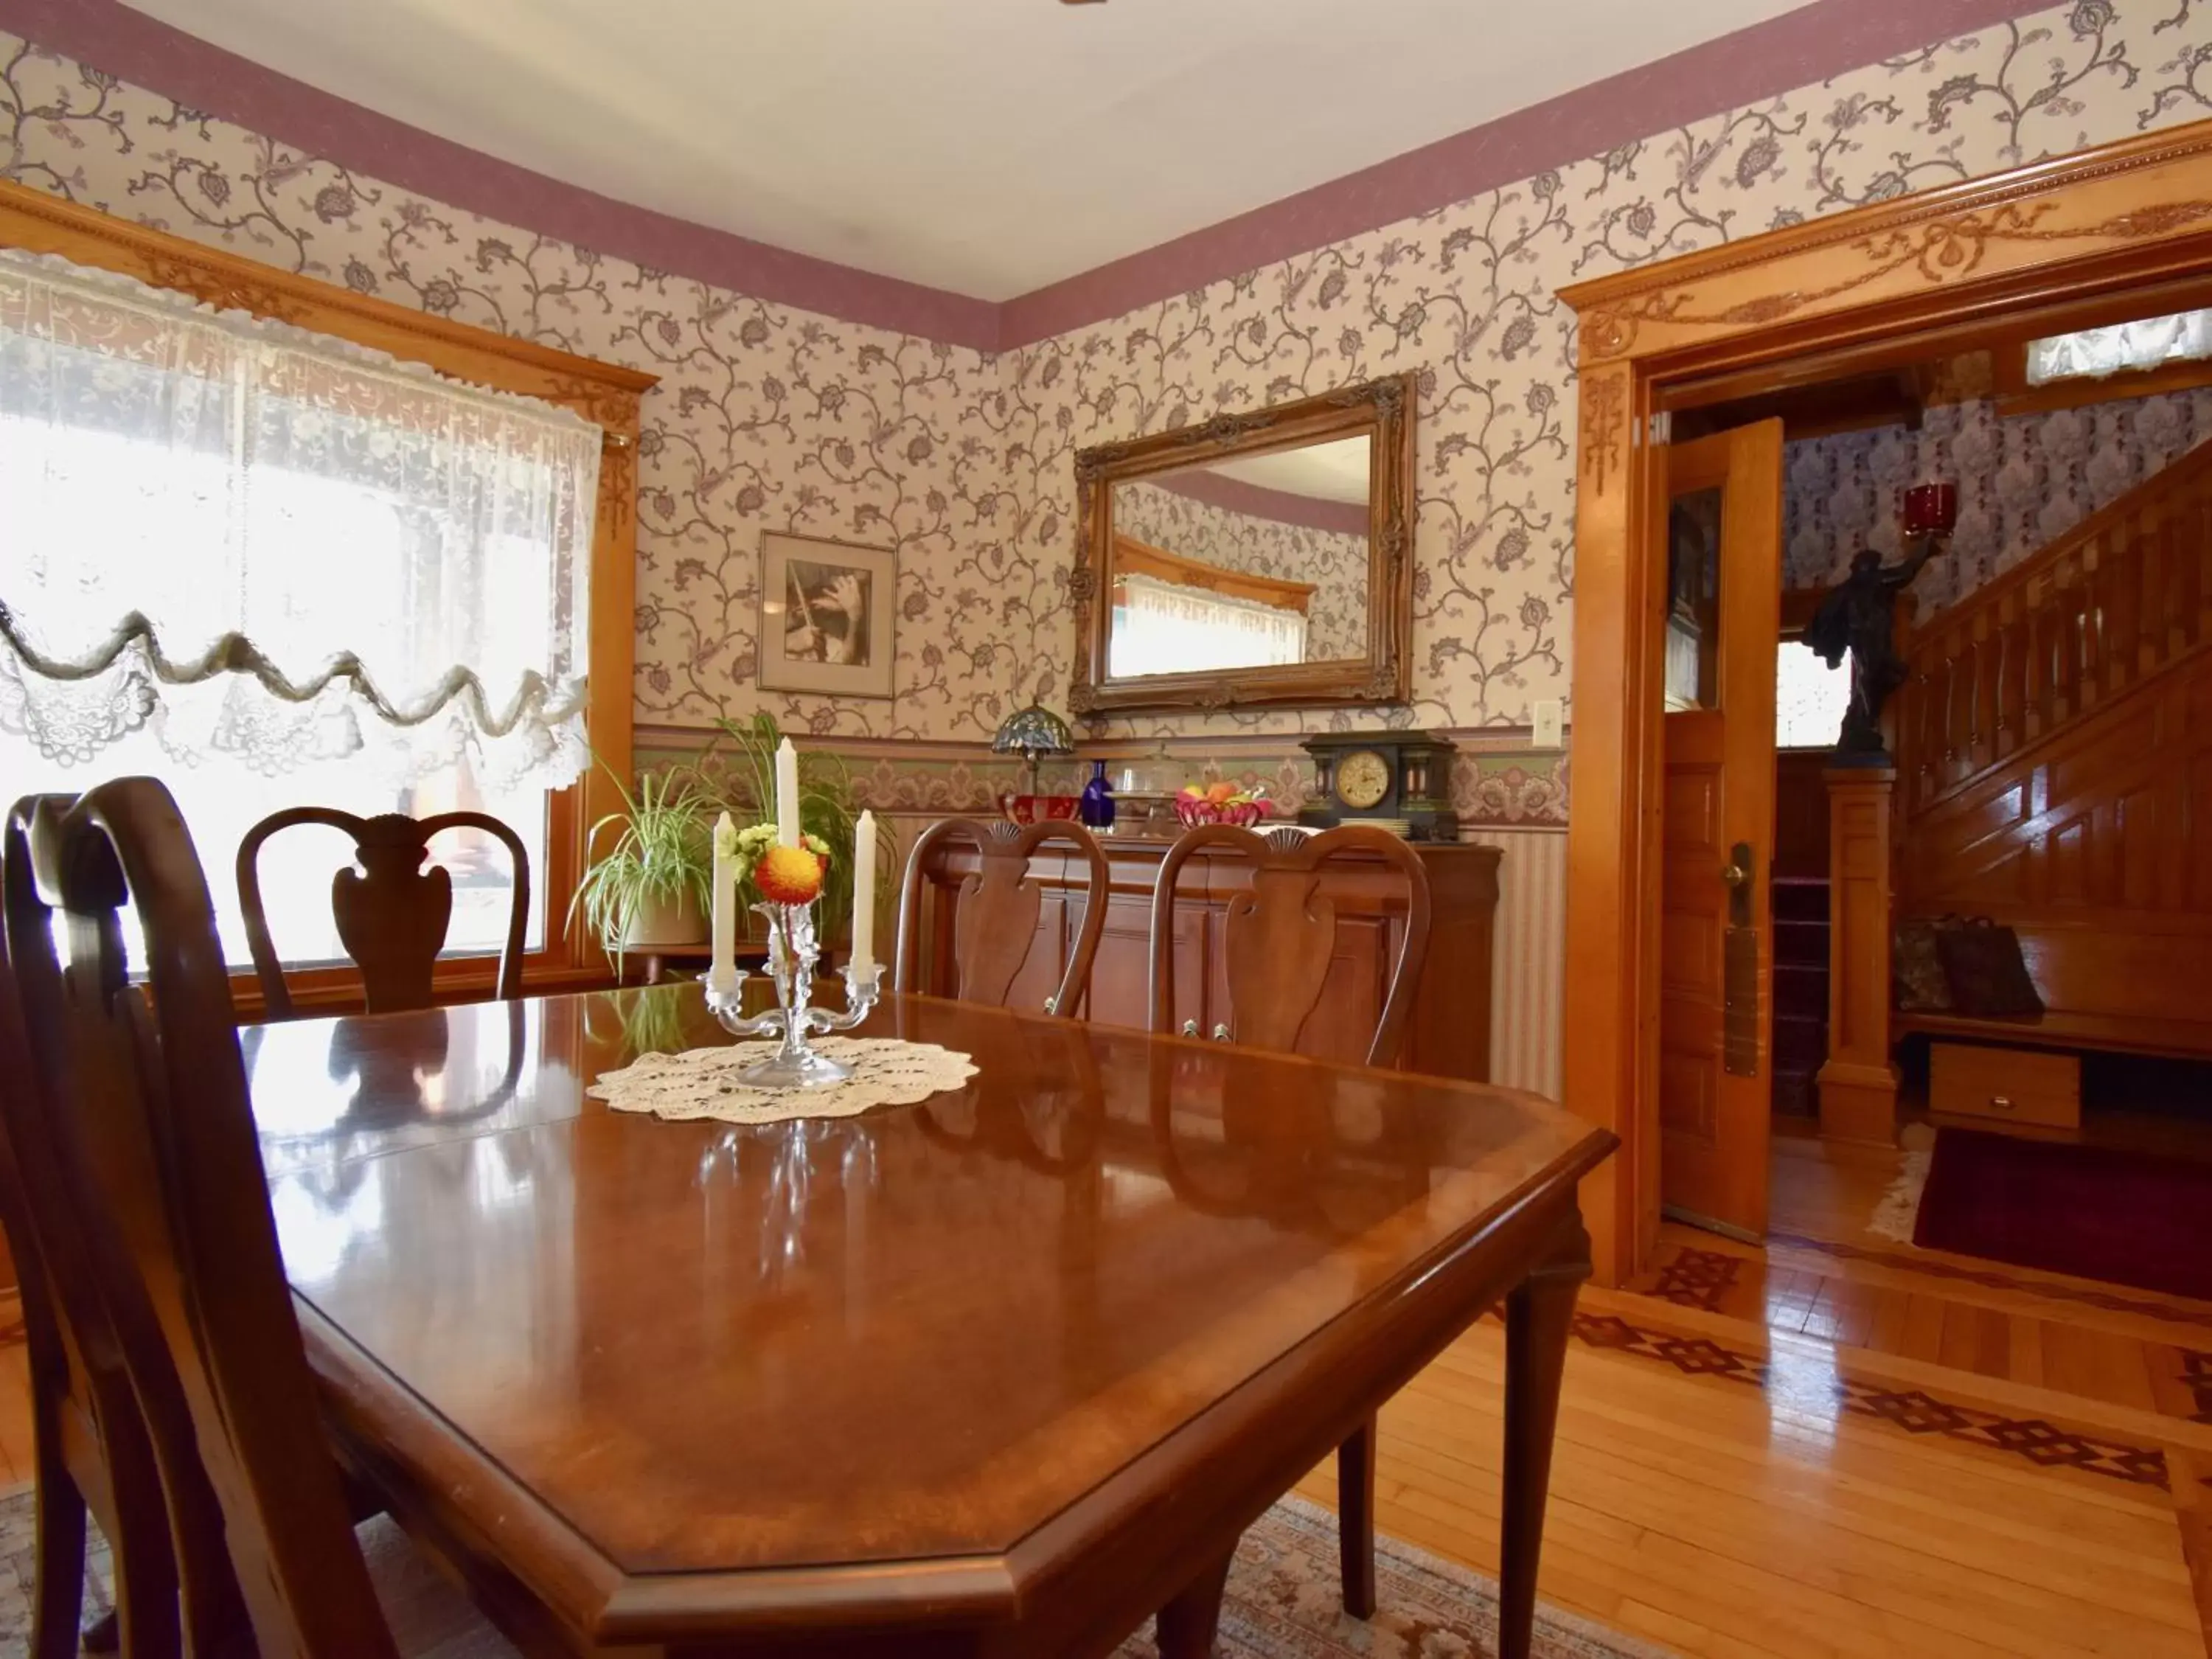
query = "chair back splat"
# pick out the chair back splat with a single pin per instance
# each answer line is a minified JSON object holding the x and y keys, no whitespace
{"x":1282,"y":931}
{"x":152,"y":1086}
{"x":996,"y":916}
{"x":392,"y":914}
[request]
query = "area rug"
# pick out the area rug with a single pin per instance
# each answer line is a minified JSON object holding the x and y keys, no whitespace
{"x":1282,"y":1600}
{"x":2095,"y":1211}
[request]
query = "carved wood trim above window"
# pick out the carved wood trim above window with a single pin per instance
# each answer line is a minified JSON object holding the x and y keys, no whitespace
{"x":1134,"y":558}
{"x":606,"y":394}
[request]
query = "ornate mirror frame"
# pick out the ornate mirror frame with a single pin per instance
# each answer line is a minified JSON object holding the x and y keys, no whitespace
{"x":2121,"y":227}
{"x":1382,"y":410}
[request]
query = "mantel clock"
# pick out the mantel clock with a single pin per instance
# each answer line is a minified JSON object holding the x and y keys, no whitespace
{"x":1399,"y":779}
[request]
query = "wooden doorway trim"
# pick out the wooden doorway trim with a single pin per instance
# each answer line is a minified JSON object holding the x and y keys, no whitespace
{"x":2052,"y":242}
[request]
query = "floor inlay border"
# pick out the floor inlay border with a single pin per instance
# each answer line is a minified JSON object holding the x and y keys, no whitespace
{"x":1692,"y":1278}
{"x":1913,"y":1411}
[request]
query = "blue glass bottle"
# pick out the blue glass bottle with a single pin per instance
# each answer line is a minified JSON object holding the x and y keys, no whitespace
{"x":1096,"y":809}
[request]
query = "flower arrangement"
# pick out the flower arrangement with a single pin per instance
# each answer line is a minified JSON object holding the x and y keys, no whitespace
{"x":780,"y":875}
{"x":1223,"y":803}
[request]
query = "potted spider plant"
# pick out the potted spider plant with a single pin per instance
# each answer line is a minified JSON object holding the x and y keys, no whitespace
{"x":651,"y":886}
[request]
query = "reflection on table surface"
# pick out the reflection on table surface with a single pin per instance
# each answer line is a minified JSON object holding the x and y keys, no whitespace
{"x":911,"y":1329}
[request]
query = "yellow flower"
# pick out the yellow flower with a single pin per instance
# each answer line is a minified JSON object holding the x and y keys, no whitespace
{"x":789,"y":875}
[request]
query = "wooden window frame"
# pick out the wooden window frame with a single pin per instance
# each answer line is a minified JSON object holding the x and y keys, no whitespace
{"x":2067,"y":243}
{"x":2009,"y":385}
{"x":605,"y":394}
{"x":1134,"y":558}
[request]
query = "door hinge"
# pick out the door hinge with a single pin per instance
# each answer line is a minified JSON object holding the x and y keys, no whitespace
{"x":1659,"y":429}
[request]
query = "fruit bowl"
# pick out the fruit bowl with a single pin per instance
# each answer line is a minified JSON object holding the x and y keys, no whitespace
{"x":1221,"y":804}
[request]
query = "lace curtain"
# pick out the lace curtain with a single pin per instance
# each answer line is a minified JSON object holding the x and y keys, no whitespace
{"x":2096,"y":352}
{"x":1161,"y":628}
{"x":263,"y":543}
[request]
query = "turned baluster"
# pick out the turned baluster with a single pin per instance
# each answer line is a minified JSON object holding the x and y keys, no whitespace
{"x":2066,"y":610}
{"x":2155,"y":633}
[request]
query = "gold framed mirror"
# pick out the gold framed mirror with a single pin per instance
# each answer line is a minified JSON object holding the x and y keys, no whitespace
{"x":1260,"y":559}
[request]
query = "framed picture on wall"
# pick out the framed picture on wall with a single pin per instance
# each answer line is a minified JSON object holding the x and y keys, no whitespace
{"x":827,"y":609}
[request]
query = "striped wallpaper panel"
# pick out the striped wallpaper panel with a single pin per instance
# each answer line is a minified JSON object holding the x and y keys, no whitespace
{"x":1527,"y":982}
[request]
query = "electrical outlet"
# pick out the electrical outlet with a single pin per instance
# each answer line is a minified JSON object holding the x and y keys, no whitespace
{"x":1550,"y":732}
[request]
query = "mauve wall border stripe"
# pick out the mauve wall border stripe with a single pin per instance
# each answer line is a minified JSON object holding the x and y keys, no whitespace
{"x":1800,"y":48}
{"x":149,"y":53}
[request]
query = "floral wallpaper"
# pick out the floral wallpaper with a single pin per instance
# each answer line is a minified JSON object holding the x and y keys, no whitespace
{"x":765,"y":418}
{"x":1333,"y":561}
{"x":1465,"y":296}
{"x":2023,"y":482}
{"x":770,"y":418}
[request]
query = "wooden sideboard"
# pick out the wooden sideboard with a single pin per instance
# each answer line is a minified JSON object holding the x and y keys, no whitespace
{"x":1450,"y":1031}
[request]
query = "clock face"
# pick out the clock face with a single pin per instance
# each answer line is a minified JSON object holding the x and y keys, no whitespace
{"x":1363,"y":779}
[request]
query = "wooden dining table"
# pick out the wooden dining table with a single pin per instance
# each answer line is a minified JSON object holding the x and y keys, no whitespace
{"x":1005,"y":1372}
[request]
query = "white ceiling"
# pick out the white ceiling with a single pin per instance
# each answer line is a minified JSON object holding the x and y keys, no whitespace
{"x":1335,"y":472}
{"x":989,"y":147}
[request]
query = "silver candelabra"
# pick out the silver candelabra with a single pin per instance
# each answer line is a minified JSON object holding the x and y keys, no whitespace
{"x":791,"y":953}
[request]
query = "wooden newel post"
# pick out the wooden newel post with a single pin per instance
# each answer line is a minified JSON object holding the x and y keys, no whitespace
{"x":1858,"y":1084}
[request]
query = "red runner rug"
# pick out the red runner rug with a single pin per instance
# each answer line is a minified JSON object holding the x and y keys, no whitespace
{"x":2124,"y":1217}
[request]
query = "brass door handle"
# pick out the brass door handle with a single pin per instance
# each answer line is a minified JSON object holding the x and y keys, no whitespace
{"x":1736,"y":874}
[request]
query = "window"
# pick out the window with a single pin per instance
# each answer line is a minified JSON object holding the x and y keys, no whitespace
{"x":1810,"y":698}
{"x":2147,"y":344}
{"x":271,"y":568}
{"x":1163,"y":628}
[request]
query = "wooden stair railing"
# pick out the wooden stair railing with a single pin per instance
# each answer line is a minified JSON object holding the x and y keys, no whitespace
{"x":2124,"y":593}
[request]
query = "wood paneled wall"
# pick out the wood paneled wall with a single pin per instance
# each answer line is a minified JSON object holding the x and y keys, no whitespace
{"x":2096,"y":845}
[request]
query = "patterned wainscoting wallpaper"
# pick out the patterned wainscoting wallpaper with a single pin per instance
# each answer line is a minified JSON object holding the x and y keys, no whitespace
{"x":2024,"y":481}
{"x":771,"y":418}
{"x":1333,"y":561}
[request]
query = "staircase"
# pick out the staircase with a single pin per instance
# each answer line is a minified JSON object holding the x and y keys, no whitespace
{"x":2055,"y":765}
{"x":2123,"y":595}
{"x":1801,"y":991}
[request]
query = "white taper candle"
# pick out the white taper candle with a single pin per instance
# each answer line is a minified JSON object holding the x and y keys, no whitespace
{"x":787,"y":795}
{"x":722,"y":972}
{"x":864,"y":893}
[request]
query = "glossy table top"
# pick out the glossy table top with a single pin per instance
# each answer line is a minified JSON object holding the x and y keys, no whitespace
{"x":917,"y":1333}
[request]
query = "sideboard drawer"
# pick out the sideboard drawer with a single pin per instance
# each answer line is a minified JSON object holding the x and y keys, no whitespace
{"x":2011,"y":1085}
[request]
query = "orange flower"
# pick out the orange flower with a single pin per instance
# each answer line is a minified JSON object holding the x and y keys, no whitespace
{"x":788,"y":875}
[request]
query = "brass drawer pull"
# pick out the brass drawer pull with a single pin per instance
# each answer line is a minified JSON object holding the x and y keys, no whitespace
{"x":1221,"y":1034}
{"x":2001,"y":1102}
{"x":1190,"y":1028}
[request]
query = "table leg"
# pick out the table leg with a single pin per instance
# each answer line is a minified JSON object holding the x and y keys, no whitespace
{"x":1537,"y":1315}
{"x":1355,"y":1520}
{"x":1187,"y":1624}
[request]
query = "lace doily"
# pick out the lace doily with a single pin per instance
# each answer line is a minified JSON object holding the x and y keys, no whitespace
{"x":702,"y":1083}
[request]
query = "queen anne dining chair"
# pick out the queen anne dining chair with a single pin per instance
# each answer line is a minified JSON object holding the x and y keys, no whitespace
{"x":1280,"y":939}
{"x":147,"y":1082}
{"x":994,"y":921}
{"x":392,"y":914}
{"x":89,"y":1446}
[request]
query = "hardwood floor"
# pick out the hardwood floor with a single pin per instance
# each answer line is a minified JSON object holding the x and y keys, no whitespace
{"x":1836,"y":1446}
{"x":1841,"y":1445}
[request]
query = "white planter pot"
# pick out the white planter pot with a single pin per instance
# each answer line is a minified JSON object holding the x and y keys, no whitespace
{"x":665,"y":924}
